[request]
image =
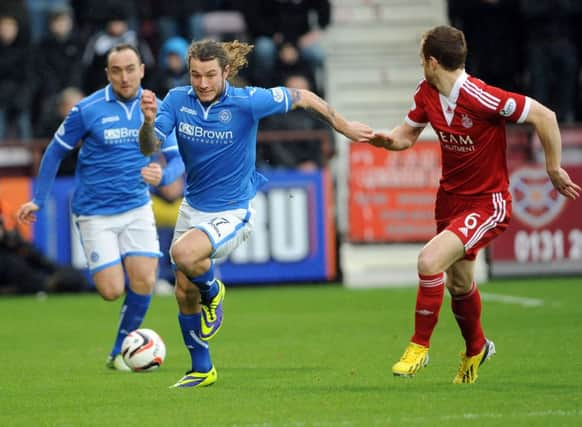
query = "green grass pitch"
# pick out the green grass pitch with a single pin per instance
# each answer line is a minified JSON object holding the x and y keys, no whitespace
{"x":299,"y":356}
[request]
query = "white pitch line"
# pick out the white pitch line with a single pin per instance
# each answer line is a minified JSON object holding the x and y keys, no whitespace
{"x":509,"y":299}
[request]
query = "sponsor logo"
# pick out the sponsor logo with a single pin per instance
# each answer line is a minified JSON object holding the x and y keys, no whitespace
{"x":278,"y":94}
{"x":466,"y":121}
{"x":509,"y":107}
{"x":225,"y":116}
{"x":186,"y":128}
{"x":206,"y":136}
{"x":535,"y":200}
{"x":119,"y":134}
{"x":110,"y":119}
{"x":454,"y":142}
{"x":424,"y":312}
{"x":188,"y":111}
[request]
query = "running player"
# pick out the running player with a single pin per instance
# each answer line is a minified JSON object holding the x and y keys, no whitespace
{"x":216,"y":127}
{"x":111,"y":204}
{"x":473,"y":203}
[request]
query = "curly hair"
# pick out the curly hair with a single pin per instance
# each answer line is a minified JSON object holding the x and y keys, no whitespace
{"x":233,"y":53}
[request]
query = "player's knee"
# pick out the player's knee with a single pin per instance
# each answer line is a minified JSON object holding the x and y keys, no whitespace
{"x":110,"y":293}
{"x":427,"y":264}
{"x":182,"y":256}
{"x":144,"y":285}
{"x":458,"y":286}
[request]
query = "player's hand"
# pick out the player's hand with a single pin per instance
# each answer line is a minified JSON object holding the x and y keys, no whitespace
{"x":357,"y":131}
{"x":562,"y":182}
{"x":149,"y":106}
{"x":26,"y":214}
{"x":380,"y":139}
{"x":152,"y":174}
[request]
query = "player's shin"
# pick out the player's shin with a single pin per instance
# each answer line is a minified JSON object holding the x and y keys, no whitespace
{"x":429,"y":299}
{"x":467,"y":311}
{"x":133,"y":311}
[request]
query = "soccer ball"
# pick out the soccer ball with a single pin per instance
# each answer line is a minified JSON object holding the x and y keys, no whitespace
{"x":143,"y":350}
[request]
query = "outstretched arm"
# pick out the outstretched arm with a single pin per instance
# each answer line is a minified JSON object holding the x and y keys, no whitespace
{"x":312,"y":103}
{"x":546,"y":125}
{"x":399,"y":138}
{"x":148,"y":140}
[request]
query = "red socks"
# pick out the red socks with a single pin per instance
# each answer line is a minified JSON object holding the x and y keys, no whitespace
{"x":428,"y":304}
{"x":467,"y":311}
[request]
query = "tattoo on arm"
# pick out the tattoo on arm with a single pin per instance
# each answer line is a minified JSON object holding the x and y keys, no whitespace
{"x":323,"y":112}
{"x":295,"y":96}
{"x":148,"y":141}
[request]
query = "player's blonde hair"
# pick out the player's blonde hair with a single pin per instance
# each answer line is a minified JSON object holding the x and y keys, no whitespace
{"x":233,"y":53}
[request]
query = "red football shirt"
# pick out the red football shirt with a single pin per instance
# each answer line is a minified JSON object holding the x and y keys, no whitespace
{"x":470,"y":125}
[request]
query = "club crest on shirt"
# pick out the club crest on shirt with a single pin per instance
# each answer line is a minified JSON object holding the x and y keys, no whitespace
{"x":509,"y":107}
{"x":224,"y":116}
{"x":535,"y":200}
{"x":466,"y":121}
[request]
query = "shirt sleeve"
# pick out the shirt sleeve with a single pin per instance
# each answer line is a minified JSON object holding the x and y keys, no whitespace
{"x":512,"y":106}
{"x":417,"y":116}
{"x":174,"y":164}
{"x":266,"y":102}
{"x":71,"y":130}
{"x":165,"y":119}
{"x":49,"y":166}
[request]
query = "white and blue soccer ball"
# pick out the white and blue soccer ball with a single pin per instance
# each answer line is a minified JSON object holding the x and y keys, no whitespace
{"x":143,"y":350}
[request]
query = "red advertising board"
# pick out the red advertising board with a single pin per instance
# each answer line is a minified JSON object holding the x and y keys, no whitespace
{"x":545,"y":233}
{"x":392,"y":194}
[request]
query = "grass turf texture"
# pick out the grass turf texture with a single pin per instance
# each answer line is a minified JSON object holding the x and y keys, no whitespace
{"x":297,"y":356}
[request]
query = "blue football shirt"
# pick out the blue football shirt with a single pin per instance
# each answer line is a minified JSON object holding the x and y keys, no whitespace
{"x":108,"y":179}
{"x":217,"y":142}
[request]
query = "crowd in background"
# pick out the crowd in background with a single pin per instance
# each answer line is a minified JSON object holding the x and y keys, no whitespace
{"x":528,"y":46}
{"x":53,"y":52}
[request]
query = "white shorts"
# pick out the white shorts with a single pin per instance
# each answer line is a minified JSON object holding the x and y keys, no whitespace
{"x":226,"y":229}
{"x":107,"y":239}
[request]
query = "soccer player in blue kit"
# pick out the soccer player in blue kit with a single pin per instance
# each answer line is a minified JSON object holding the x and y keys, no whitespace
{"x":216,"y":127}
{"x":111,"y":204}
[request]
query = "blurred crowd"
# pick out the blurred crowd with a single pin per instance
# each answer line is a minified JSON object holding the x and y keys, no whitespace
{"x":529,"y":46}
{"x":53,"y":52}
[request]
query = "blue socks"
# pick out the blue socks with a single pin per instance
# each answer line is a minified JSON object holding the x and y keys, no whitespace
{"x":133,"y":310}
{"x":199,"y":352}
{"x":207,"y":284}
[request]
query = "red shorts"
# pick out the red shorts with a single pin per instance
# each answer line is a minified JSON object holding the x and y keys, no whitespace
{"x":476,"y":220}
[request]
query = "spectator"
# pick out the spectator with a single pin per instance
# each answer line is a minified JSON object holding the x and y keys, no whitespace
{"x":39,"y":11}
{"x":92,"y":16}
{"x":481,"y":21}
{"x":116,"y":32}
{"x":290,"y":63}
{"x":58,"y":60}
{"x":16,"y":81}
{"x":25,"y":270}
{"x":53,"y":116}
{"x":551,"y":54}
{"x":307,"y":155}
{"x":272,"y":23}
{"x":172,"y":68}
